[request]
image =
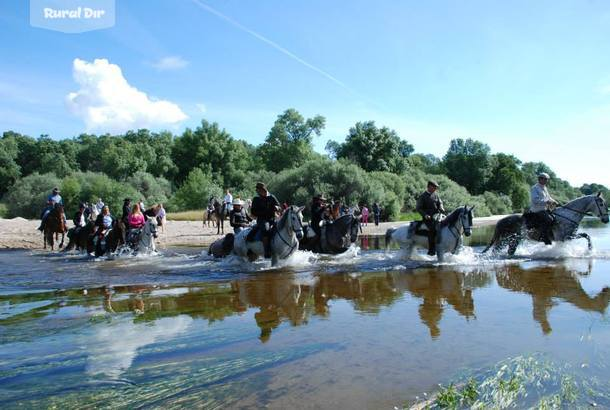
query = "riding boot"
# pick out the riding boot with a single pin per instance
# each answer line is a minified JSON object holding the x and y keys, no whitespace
{"x":431,"y":243}
{"x":267,"y":247}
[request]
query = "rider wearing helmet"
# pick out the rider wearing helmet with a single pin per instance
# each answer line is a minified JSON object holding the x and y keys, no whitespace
{"x":541,"y":204}
{"x":430,"y":207}
{"x":238,"y":218}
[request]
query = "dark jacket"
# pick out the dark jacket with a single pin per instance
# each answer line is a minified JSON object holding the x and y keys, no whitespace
{"x":429,"y":204}
{"x":264,"y":207}
{"x":239,"y":219}
{"x":76,"y":219}
{"x":317,"y":215}
{"x":126,"y":213}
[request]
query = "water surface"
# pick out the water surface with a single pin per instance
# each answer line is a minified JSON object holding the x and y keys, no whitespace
{"x":363,"y":330}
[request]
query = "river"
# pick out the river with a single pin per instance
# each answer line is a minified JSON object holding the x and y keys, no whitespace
{"x":362,"y":330}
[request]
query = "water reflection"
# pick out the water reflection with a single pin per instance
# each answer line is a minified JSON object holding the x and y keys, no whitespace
{"x":548,"y":283}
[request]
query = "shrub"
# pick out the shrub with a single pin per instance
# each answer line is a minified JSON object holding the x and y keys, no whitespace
{"x":29,"y":195}
{"x":195,"y":192}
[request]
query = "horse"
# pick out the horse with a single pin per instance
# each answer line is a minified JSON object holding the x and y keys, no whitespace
{"x":145,"y":240}
{"x":222,"y":247}
{"x":109,"y":242}
{"x":512,"y":229}
{"x":54,"y":225}
{"x":283,"y":242}
{"x":152,"y":213}
{"x":78,"y":238}
{"x":336,"y":238}
{"x":449,"y":234}
{"x":219,"y":215}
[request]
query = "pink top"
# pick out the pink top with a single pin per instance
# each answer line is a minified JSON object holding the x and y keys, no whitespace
{"x":365,"y":211}
{"x":136,"y":220}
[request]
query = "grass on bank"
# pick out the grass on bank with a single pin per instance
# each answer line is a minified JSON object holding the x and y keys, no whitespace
{"x":3,"y":210}
{"x":196,"y":215}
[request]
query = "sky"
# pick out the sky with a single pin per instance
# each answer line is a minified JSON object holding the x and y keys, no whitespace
{"x":527,"y":78}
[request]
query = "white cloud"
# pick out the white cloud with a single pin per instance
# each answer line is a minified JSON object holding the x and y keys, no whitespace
{"x":170,"y":63}
{"x":106,"y":101}
{"x":201,"y":107}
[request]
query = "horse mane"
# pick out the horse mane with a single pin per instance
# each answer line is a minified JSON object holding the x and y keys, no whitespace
{"x":452,"y":218}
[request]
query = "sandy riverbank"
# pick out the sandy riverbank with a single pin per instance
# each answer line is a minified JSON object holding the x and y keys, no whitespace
{"x":19,"y":233}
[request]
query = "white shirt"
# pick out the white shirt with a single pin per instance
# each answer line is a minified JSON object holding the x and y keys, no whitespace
{"x":539,"y":198}
{"x":99,"y":206}
{"x":81,"y":220}
{"x":228,"y":199}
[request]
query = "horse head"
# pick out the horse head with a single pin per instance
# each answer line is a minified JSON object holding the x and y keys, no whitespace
{"x":601,"y":207}
{"x":466,"y":218}
{"x":294,"y":218}
{"x":150,"y":227}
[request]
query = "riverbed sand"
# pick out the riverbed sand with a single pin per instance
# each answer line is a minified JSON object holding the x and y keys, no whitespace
{"x":20,"y":233}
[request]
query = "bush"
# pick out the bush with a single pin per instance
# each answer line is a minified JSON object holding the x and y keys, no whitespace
{"x":154,"y":190}
{"x":195,"y":192}
{"x":29,"y":195}
{"x":498,"y":204}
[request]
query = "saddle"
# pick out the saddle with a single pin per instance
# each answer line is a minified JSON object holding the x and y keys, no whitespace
{"x":419,"y":228}
{"x":256,"y":234}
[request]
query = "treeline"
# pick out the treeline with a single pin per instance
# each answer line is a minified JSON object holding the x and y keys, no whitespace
{"x":182,"y":171}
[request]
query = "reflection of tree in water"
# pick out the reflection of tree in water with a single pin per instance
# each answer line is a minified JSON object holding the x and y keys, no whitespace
{"x":437,"y":288}
{"x":544,"y":283}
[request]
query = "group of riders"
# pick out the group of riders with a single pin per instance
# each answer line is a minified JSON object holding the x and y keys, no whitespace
{"x":539,"y":216}
{"x":133,"y":217}
{"x":265,"y":209}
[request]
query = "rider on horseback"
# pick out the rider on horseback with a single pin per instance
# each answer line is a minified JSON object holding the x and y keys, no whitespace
{"x":135,"y":223}
{"x":430,"y":207}
{"x":238,"y":218}
{"x":79,"y":218}
{"x":540,"y":208}
{"x":319,"y":213}
{"x":53,"y":199}
{"x":103,"y":223}
{"x":264,"y":208}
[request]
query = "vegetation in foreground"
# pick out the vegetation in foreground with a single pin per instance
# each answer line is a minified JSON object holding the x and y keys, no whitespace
{"x":183,"y":171}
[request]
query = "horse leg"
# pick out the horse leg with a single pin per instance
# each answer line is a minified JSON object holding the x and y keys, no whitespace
{"x":513,"y":243}
{"x":587,"y":237}
{"x":61,"y":244}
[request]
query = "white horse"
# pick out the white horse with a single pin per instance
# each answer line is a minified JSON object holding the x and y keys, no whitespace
{"x":146,"y":239}
{"x":449,"y":235}
{"x":285,"y":241}
{"x":512,"y":229}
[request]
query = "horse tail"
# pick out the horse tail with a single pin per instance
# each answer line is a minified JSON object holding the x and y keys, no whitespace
{"x":388,"y":237}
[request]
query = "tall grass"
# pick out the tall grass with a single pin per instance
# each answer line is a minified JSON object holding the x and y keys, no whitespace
{"x":196,"y":215}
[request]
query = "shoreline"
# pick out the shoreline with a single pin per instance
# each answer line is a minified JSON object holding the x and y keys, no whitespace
{"x":20,"y":233}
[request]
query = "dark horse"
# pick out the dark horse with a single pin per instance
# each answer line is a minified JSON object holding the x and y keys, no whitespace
{"x":512,"y":229}
{"x":78,"y":237}
{"x":336,"y":238}
{"x":109,"y":242}
{"x":54,"y":225}
{"x":220,"y":213}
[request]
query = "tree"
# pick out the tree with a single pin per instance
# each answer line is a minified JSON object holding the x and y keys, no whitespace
{"x":9,"y":169}
{"x":468,"y":162}
{"x":212,"y":149}
{"x":372,"y":148}
{"x":508,"y":179}
{"x":289,"y":142}
{"x":195,"y":191}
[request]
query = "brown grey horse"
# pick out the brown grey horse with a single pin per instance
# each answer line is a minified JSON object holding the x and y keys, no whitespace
{"x":54,"y":225}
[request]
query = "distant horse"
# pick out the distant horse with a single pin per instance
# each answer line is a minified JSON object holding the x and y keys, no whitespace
{"x":336,"y":238}
{"x":512,"y":229}
{"x":449,"y":234}
{"x":220,"y":213}
{"x":54,"y":225}
{"x":283,"y":243}
{"x":78,"y":237}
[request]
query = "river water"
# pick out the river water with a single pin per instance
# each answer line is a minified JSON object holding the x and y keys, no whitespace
{"x":362,"y":330}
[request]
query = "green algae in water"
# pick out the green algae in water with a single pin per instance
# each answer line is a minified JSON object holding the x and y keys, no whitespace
{"x":533,"y":381}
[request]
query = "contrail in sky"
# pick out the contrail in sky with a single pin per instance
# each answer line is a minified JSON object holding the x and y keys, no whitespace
{"x":273,"y":44}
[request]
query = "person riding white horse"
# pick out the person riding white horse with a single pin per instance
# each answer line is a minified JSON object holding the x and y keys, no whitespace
{"x":541,"y":205}
{"x":265,"y":208}
{"x":451,"y":229}
{"x":430,"y":207}
{"x":283,"y":242}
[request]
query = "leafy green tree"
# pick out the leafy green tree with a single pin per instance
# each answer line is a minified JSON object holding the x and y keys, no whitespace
{"x":593,"y":188}
{"x":153,"y":190}
{"x":29,"y":195}
{"x":508,"y":179}
{"x":469,"y":163}
{"x":212,"y":149}
{"x":9,"y":169}
{"x":372,"y":148}
{"x":195,"y":192}
{"x":289,"y":143}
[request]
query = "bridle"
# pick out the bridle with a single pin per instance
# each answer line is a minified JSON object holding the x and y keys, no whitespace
{"x":290,"y":246}
{"x":583,"y":213}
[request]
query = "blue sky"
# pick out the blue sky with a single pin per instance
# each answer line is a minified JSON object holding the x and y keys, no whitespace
{"x":528,"y":78}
